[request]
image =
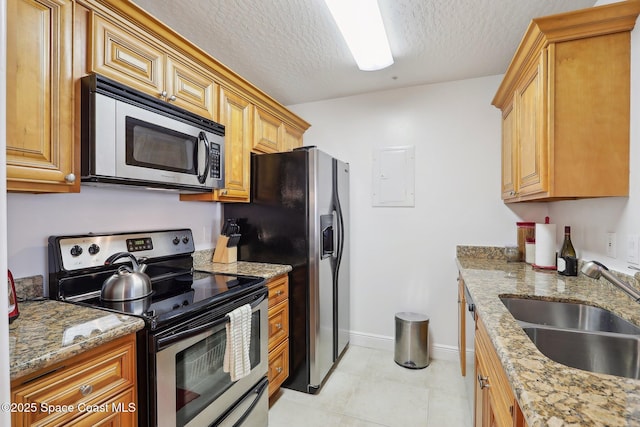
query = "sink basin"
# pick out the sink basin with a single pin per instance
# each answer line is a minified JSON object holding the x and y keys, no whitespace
{"x":568,"y":315}
{"x":595,"y":352}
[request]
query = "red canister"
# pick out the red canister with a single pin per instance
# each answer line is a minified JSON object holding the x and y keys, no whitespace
{"x":13,"y":299}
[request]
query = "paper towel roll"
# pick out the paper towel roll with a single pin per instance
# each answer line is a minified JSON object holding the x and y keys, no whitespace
{"x":546,"y":245}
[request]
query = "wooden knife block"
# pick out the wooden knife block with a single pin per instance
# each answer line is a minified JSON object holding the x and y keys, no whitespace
{"x":224,"y":254}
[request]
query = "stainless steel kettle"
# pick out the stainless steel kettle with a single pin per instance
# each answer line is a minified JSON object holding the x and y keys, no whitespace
{"x":126,"y":284}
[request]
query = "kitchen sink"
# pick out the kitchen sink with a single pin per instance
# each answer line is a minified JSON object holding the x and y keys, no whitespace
{"x":606,"y":353}
{"x":567,"y":315}
{"x":579,"y":335}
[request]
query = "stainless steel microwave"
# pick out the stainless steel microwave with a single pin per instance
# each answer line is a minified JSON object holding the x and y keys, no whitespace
{"x":130,"y":138}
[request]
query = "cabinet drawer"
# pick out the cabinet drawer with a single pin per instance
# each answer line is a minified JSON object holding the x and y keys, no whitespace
{"x":92,"y":378}
{"x":278,"y":324}
{"x":278,"y":366}
{"x":278,"y":290}
{"x":116,"y":412}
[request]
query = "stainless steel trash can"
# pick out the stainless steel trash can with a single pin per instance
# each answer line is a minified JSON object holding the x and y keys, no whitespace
{"x":412,"y":340}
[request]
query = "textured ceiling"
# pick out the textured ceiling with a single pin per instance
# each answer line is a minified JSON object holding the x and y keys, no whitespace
{"x":292,"y":50}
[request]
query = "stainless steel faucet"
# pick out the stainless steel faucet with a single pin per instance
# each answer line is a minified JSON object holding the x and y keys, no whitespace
{"x":594,"y":270}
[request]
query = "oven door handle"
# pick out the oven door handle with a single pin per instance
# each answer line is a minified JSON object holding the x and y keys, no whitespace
{"x":165,"y":342}
{"x":243,"y":409}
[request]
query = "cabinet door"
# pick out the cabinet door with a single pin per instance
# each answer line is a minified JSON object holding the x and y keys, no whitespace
{"x":41,"y":152}
{"x":278,"y":366}
{"x":462,"y":333}
{"x":236,"y":114}
{"x":266,"y":132}
{"x":292,"y":138}
{"x":127,"y":56}
{"x":532,"y":156}
{"x":509,"y":150}
{"x":191,"y":87}
{"x":481,"y":398}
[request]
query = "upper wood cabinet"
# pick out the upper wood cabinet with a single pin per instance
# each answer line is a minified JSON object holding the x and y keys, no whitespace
{"x":272,"y":135}
{"x":508,"y":152}
{"x":132,"y":47}
{"x":135,"y":58}
{"x":42,"y":155}
{"x":565,"y":106}
{"x":236,"y":114}
{"x":266,"y":132}
{"x":291,"y":137}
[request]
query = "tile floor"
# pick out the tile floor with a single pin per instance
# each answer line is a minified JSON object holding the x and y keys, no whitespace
{"x":368,"y":389}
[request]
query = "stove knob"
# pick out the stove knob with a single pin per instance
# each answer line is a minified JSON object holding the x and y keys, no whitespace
{"x":176,"y":240}
{"x":94,"y":249}
{"x":76,"y":250}
{"x":185,"y":240}
{"x":185,"y":303}
{"x":176,"y":306}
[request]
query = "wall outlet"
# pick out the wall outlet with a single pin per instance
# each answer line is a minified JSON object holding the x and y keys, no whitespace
{"x":633,"y":249}
{"x":611,"y":245}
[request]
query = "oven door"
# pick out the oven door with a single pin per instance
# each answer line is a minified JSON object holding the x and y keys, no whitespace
{"x":192,"y":388}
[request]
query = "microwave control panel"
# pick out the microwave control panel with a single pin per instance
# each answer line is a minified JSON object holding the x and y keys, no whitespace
{"x":214,"y":156}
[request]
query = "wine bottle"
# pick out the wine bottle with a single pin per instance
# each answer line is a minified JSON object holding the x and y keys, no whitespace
{"x":567,"y":261}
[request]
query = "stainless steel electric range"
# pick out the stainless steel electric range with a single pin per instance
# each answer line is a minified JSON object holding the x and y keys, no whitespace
{"x":181,"y":381}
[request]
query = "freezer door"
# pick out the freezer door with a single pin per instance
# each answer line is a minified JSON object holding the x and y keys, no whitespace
{"x":322,"y":229}
{"x":342,"y":258}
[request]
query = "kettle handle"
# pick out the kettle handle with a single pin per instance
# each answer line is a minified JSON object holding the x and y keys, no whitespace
{"x":119,"y":255}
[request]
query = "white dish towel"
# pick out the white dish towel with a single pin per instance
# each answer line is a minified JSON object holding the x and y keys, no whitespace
{"x":236,"y":353}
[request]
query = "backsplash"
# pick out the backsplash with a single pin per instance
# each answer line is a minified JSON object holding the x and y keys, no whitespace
{"x":29,"y":288}
{"x":482,"y":252}
{"x":497,"y":253}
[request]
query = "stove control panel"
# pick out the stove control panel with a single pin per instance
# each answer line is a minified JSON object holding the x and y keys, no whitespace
{"x":91,"y":250}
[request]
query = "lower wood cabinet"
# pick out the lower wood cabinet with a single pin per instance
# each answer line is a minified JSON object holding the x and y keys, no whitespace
{"x":462,"y":332}
{"x":278,"y":332}
{"x":97,"y":387}
{"x":495,"y":405}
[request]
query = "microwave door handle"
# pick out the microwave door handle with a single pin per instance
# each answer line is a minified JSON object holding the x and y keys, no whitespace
{"x":202,"y":178}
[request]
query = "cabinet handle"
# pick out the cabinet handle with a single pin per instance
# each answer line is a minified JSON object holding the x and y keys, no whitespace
{"x":279,"y":369}
{"x":278,"y":325}
{"x":172,"y":98}
{"x":223,"y":192}
{"x":86,"y":389}
{"x":279,"y":292}
{"x":483,"y":381}
{"x":163,"y":94}
{"x":70,"y":178}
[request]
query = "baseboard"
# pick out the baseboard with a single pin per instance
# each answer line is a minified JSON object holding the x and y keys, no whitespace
{"x":381,"y":342}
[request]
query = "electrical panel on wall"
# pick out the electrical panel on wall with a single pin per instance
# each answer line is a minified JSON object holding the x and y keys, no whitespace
{"x":394,"y":176}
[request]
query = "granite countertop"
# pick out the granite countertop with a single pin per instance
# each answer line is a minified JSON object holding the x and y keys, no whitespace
{"x":551,"y":394}
{"x":267,"y":271}
{"x":47,"y":332}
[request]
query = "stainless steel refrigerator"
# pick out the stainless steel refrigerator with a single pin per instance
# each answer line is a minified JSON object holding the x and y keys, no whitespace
{"x":299,"y":215}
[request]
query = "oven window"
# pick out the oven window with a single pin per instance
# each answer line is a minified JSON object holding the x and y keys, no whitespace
{"x":200,"y":378}
{"x":155,"y":147}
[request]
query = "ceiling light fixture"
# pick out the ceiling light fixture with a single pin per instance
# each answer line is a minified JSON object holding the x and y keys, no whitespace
{"x":361,"y":26}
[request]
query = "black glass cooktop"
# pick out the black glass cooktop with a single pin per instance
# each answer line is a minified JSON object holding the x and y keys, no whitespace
{"x":176,"y":297}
